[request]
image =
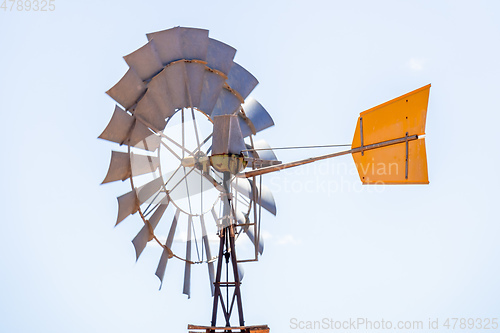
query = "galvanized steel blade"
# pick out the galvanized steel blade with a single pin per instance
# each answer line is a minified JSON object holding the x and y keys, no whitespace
{"x":142,"y":164}
{"x":195,"y":73}
{"x":142,"y":137}
{"x":150,"y":112}
{"x":241,"y":80}
{"x":210,"y":264}
{"x":241,"y":272}
{"x":263,"y":151}
{"x":240,"y":83}
{"x":146,"y":232}
{"x":194,"y":43}
{"x":242,"y":220}
{"x":127,"y":205}
{"x":227,"y":103}
{"x":145,"y":192}
{"x":159,"y":93}
{"x":249,"y":232}
{"x":187,"y":267}
{"x":119,"y":126}
{"x":166,"y":254}
{"x":175,"y":78}
{"x":119,"y":167}
{"x":167,"y":44}
{"x":128,"y":90}
{"x":180,"y":43}
{"x":145,"y":61}
{"x":213,"y":84}
{"x":257,"y":115}
{"x":266,"y":199}
{"x":220,"y":56}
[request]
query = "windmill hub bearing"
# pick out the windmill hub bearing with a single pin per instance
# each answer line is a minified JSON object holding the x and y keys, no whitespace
{"x":228,"y":163}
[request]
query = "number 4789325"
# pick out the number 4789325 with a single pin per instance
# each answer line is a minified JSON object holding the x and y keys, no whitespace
{"x":28,"y":5}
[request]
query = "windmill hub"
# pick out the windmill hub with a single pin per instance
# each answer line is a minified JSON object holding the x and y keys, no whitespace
{"x":202,"y":162}
{"x":231,"y":163}
{"x":199,"y":161}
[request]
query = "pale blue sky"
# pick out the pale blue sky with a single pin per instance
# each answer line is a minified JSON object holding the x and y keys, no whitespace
{"x":336,"y":249}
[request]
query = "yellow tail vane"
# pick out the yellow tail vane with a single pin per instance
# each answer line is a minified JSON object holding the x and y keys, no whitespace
{"x":402,"y":118}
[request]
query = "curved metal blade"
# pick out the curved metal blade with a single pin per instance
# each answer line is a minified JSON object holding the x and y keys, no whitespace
{"x":175,"y":77}
{"x":142,"y":164}
{"x":242,"y":219}
{"x":212,"y":86}
{"x":118,"y":127}
{"x":249,"y":232}
{"x":210,"y":265}
{"x":142,"y":137}
{"x":266,"y":154}
{"x":256,"y":113}
{"x":266,"y":200}
{"x":159,"y":94}
{"x":129,"y":202}
{"x":195,"y":73}
{"x":127,"y":205}
{"x":119,"y":167}
{"x":227,"y":103}
{"x":241,"y":80}
{"x":149,"y":111}
{"x":145,"y":235}
{"x":122,"y":125}
{"x":165,"y":255}
{"x":145,"y":61}
{"x":128,"y":90}
{"x":241,"y":272}
{"x":186,"y":290}
{"x":194,"y":43}
{"x":146,"y":191}
{"x":220,"y":56}
{"x":151,"y":143}
{"x":180,"y":43}
{"x":167,"y":44}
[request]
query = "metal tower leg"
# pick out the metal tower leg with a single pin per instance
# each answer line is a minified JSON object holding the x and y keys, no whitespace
{"x":227,"y":252}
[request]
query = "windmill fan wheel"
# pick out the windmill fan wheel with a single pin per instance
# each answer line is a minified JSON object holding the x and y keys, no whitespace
{"x":181,"y":96}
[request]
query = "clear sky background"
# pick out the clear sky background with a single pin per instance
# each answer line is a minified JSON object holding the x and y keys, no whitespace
{"x":336,"y":249}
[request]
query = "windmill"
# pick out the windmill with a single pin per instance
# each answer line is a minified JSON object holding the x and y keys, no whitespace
{"x":188,"y":124}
